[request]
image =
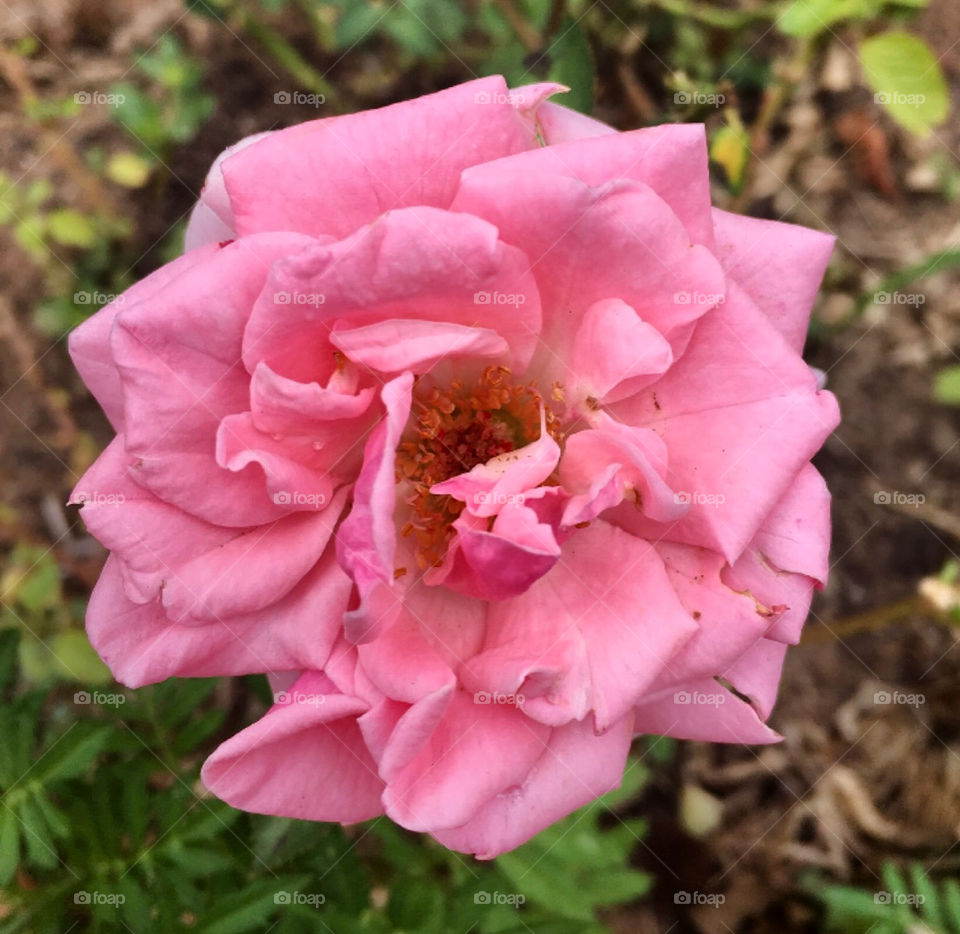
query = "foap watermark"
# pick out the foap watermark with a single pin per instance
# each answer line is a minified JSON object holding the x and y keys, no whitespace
{"x":699,"y":298}
{"x":299,"y":98}
{"x":494,"y":498}
{"x":699,"y":699}
{"x":498,"y":699}
{"x":699,"y":98}
{"x":895,"y":98}
{"x":99,"y":898}
{"x":313,"y":899}
{"x":499,"y":298}
{"x":516,"y":98}
{"x":298,"y":498}
{"x":714,"y":899}
{"x":98,"y":498}
{"x":99,"y":97}
{"x":698,"y":498}
{"x":899,"y":898}
{"x":900,"y":298}
{"x":299,"y":298}
{"x":97,"y":298}
{"x":291,"y":698}
{"x":897,"y":498}
{"x":499,"y":898}
{"x":99,"y":698}
{"x":899,"y":698}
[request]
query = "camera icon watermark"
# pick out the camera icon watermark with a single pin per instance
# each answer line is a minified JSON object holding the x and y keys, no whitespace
{"x":499,"y":298}
{"x":714,"y":899}
{"x":499,"y":898}
{"x":699,"y":699}
{"x":99,"y":698}
{"x":498,"y":699}
{"x":916,"y":299}
{"x":699,"y":99}
{"x":299,"y":98}
{"x":699,"y":498}
{"x":313,"y":899}
{"x":897,"y":498}
{"x":895,"y":98}
{"x":99,"y":97}
{"x":114,"y":899}
{"x":914,"y":899}
{"x":299,"y":298}
{"x":899,"y":698}
{"x":298,"y":498}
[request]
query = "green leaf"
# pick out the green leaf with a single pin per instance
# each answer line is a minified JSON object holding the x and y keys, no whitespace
{"x":9,"y":844}
{"x":907,"y":78}
{"x":417,"y":905}
{"x":730,"y":149}
{"x":946,"y":386}
{"x":128,"y":169}
{"x":71,"y":228}
{"x":75,"y":658}
{"x":39,"y":844}
{"x":9,"y":643}
{"x":248,"y":909}
{"x":72,"y":754}
{"x":572,"y":65}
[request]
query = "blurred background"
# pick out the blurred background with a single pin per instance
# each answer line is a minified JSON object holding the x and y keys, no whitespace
{"x":837,"y":114}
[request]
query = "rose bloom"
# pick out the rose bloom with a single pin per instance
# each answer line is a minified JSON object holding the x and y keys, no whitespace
{"x":471,"y":424}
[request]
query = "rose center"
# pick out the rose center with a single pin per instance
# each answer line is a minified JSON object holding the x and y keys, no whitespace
{"x":454,"y":429}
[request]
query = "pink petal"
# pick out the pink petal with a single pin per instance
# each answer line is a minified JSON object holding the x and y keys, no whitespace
{"x":729,"y":623}
{"x":150,"y":538}
{"x":576,"y":768}
{"x":367,"y":539}
{"x":788,"y":556}
{"x":211,"y":220}
{"x":417,"y":264}
{"x":89,"y":343}
{"x":304,"y":760}
{"x":476,"y":751}
{"x":501,"y":563}
{"x":740,"y":414}
{"x":141,"y":646}
{"x":251,"y":571}
{"x":332,"y":176}
{"x":395,"y":345}
{"x":614,"y":349}
{"x":780,"y":266}
{"x":704,"y":711}
{"x":178,"y":353}
{"x":559,"y":124}
{"x":586,"y":244}
{"x":603,"y":465}
{"x":671,"y":159}
{"x":622,"y":617}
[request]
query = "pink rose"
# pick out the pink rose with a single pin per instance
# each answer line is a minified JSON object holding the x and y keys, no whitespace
{"x":477,"y":429}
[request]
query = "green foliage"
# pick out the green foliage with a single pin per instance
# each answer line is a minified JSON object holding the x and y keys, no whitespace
{"x":175,"y":106}
{"x":903,"y":904}
{"x":807,"y":18}
{"x":946,"y":387}
{"x":908,"y":80}
{"x":103,"y":824}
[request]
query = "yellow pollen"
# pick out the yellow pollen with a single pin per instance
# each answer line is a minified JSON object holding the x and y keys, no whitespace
{"x":456,"y":428}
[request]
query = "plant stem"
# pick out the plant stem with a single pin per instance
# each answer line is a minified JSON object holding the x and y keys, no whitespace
{"x":936,"y":262}
{"x":878,"y":618}
{"x":286,"y":56}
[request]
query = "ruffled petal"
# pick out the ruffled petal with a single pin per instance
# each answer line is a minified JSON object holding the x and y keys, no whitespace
{"x":335,"y":175}
{"x":304,"y":759}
